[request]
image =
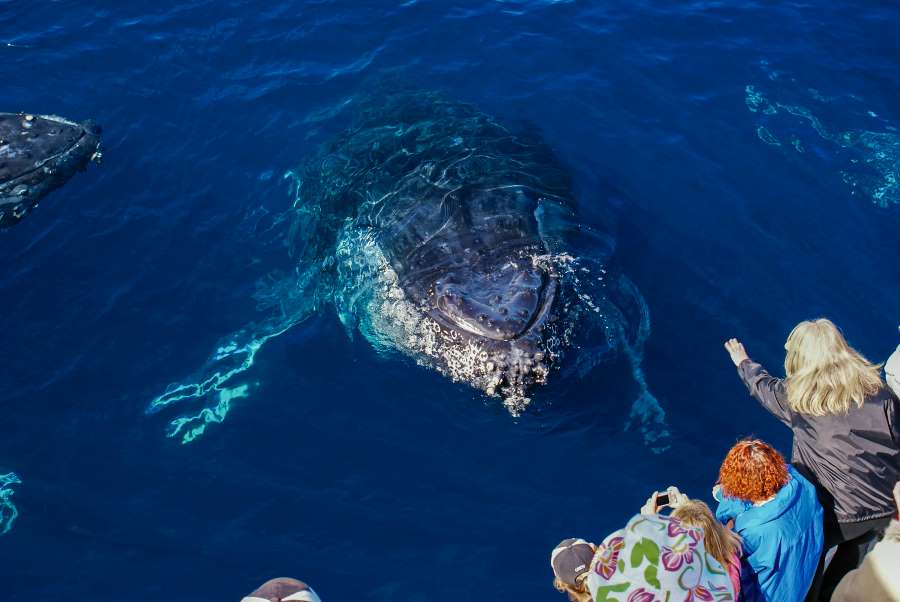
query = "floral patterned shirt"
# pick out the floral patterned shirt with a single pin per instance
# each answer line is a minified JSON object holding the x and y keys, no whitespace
{"x":657,"y":559}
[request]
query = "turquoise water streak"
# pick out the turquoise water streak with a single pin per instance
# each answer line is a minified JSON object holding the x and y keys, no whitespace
{"x":872,"y":165}
{"x":8,"y":512}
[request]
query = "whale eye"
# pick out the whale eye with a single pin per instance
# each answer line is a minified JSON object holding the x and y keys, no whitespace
{"x":482,"y":317}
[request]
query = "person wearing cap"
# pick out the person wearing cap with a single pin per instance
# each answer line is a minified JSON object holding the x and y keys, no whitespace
{"x":570,"y":561}
{"x":655,"y":557}
{"x":282,"y":589}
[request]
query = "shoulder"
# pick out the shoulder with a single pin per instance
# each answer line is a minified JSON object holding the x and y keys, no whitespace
{"x":799,"y":478}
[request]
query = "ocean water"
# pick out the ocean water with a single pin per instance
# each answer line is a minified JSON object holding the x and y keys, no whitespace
{"x":757,"y":150}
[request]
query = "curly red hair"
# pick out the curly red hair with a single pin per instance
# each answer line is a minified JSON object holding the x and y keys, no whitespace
{"x":753,"y":471}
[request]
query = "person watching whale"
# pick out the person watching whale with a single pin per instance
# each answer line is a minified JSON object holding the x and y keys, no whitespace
{"x":684,"y":555}
{"x":846,"y":436}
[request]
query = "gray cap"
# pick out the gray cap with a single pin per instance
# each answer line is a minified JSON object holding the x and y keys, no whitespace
{"x":283,"y":589}
{"x":571,"y":560}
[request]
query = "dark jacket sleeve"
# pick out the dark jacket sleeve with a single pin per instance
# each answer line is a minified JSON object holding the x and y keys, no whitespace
{"x":892,"y":410}
{"x":766,"y":389}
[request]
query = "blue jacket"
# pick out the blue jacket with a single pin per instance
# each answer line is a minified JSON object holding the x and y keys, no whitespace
{"x":782,"y":541}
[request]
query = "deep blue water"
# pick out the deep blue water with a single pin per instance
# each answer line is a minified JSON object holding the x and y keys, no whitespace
{"x":370,"y":477}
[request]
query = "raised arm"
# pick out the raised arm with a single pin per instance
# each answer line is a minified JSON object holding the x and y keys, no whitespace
{"x":765,"y":388}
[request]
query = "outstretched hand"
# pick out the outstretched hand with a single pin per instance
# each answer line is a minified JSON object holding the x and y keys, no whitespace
{"x":736,"y":350}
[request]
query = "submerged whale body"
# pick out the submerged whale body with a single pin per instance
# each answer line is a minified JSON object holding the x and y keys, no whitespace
{"x":438,"y":233}
{"x":39,"y":153}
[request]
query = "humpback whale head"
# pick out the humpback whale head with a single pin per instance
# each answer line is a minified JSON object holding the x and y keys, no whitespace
{"x":474,"y":291}
{"x":500,"y":310}
{"x":37,"y":154}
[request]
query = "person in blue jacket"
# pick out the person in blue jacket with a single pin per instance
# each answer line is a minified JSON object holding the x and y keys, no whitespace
{"x":778,"y":516}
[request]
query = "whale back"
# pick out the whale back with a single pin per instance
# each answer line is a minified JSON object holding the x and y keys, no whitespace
{"x":440,"y":183}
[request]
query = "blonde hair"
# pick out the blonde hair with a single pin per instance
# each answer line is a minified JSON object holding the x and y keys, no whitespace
{"x":721,"y":543}
{"x":577,"y":593}
{"x":824,"y":374}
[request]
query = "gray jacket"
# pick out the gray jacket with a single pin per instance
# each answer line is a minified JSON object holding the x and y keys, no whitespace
{"x":853,"y":459}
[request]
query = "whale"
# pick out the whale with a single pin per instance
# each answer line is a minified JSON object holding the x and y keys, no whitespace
{"x":441,"y":235}
{"x":39,"y":153}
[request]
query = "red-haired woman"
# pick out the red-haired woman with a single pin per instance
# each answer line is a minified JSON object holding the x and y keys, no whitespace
{"x":777,"y":514}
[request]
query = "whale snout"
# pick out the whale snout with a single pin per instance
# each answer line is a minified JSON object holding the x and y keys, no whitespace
{"x":499,"y":314}
{"x":499,"y":304}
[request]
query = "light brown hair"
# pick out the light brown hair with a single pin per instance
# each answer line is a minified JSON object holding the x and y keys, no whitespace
{"x":722,"y":544}
{"x":576,"y":593}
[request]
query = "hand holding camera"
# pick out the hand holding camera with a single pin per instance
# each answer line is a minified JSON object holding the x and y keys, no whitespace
{"x":670,"y":498}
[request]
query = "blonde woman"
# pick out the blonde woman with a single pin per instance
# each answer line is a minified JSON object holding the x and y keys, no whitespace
{"x":846,"y":426}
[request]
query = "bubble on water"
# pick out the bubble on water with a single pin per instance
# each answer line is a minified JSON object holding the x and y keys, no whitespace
{"x":8,"y":511}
